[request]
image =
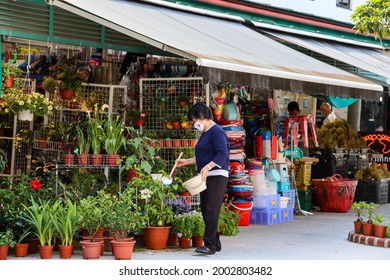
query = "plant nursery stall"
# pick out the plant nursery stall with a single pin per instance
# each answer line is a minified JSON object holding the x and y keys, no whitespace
{"x":136,"y":120}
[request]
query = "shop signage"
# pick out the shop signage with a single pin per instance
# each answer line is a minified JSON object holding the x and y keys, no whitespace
{"x":379,"y":142}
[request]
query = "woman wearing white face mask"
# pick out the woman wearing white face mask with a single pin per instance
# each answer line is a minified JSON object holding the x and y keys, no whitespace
{"x":212,"y":160}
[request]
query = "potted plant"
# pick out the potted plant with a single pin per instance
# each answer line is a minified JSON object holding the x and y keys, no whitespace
{"x":124,"y":219}
{"x":228,"y":221}
{"x":141,"y":153}
{"x":10,"y":72}
{"x":183,"y":224}
{"x":358,"y":208}
{"x":199,"y":228}
{"x":184,"y":123}
{"x":175,"y":120}
{"x":95,"y":133}
{"x":152,"y":197}
{"x":66,"y":225}
{"x":27,"y":105}
{"x":70,"y":81}
{"x":40,"y":215}
{"x":92,"y":213}
{"x":368,"y":226}
{"x":84,"y":145}
{"x":6,"y":241}
{"x":113,"y":139}
{"x":49,"y":84}
{"x":379,"y":227}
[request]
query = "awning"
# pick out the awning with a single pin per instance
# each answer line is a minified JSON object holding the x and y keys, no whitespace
{"x":373,"y":60}
{"x":225,"y":50}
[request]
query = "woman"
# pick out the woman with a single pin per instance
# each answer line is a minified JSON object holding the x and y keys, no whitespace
{"x":212,"y":160}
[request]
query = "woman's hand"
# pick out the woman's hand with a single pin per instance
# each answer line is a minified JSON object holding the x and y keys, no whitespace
{"x":204,"y":172}
{"x":185,"y":161}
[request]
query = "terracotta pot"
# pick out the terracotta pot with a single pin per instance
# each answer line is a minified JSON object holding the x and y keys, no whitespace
{"x":42,"y":144}
{"x":4,"y":252}
{"x":65,"y":251}
{"x":172,"y":239}
{"x":197,"y":241}
{"x":46,"y":252}
{"x":112,"y":159}
{"x":176,"y":143}
{"x":176,"y":125}
{"x":33,"y":245}
{"x":358,"y":226}
{"x":184,"y":242}
{"x":97,"y":159}
{"x":368,"y":229}
{"x":9,"y":81}
{"x":131,"y":174}
{"x":83,"y":159}
{"x":21,"y":249}
{"x":380,"y":231}
{"x":67,"y":94}
{"x":91,"y":250}
{"x":100,"y":232}
{"x":69,"y":159}
{"x":168,"y":143}
{"x":156,"y":238}
{"x":193,"y":142}
{"x":186,"y":197}
{"x":122,"y":250}
{"x":97,"y":238}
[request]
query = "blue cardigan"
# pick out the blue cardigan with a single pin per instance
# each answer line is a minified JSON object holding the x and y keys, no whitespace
{"x":214,"y":146}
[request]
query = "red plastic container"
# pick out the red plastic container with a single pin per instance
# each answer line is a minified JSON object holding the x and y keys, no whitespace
{"x":335,"y":194}
{"x":244,"y":210}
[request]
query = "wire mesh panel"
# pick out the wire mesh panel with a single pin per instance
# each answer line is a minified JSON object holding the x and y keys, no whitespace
{"x":165,"y":103}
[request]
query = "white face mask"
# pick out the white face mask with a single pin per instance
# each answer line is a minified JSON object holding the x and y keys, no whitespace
{"x":199,"y":126}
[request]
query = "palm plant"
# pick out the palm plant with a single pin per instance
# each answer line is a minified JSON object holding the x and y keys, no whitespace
{"x":40,"y":215}
{"x":83,"y":141}
{"x":65,"y":222}
{"x":113,"y":138}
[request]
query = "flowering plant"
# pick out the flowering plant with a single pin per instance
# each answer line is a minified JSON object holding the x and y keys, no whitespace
{"x":16,"y":101}
{"x":23,"y":138}
{"x":183,"y":224}
{"x":36,"y":184}
{"x":95,"y":129}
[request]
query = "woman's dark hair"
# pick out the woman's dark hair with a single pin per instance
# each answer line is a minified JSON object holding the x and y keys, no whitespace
{"x":199,"y":111}
{"x":292,"y":106}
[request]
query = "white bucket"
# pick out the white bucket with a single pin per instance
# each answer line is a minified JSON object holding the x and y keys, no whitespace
{"x":195,"y":185}
{"x":284,"y":201}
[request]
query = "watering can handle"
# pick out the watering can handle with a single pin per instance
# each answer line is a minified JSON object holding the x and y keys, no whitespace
{"x":174,"y":167}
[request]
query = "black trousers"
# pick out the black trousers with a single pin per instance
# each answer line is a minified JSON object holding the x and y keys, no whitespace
{"x":210,"y":203}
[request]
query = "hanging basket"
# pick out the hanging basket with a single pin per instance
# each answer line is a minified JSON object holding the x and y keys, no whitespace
{"x":25,"y":115}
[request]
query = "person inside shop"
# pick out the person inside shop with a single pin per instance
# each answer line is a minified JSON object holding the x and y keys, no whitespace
{"x":326,"y":110}
{"x":212,"y":160}
{"x":293,"y":108}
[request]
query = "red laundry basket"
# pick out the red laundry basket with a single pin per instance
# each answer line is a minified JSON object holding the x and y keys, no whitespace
{"x":335,"y":194}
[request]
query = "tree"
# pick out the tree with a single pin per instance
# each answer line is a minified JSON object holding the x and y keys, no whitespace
{"x":373,"y":17}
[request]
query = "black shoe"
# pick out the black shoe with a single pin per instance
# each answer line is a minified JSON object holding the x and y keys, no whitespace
{"x":218,"y":249}
{"x":204,"y":250}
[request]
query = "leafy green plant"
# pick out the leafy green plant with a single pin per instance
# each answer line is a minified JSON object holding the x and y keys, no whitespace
{"x":183,"y":224}
{"x":93,"y":211}
{"x":95,"y":131}
{"x":199,"y":225}
{"x":113,"y":137}
{"x":65,"y":222}
{"x":40,"y":215}
{"x":358,"y":208}
{"x":228,"y":221}
{"x":49,"y":84}
{"x":124,"y":216}
{"x":370,"y":208}
{"x":36,"y":103}
{"x":84,"y":143}
{"x":69,"y":78}
{"x":140,"y":150}
{"x":11,"y":71}
{"x":152,"y":197}
{"x":7,"y":238}
{"x":379,"y":219}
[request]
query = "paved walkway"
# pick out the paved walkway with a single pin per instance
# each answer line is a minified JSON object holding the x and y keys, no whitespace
{"x":321,"y":236}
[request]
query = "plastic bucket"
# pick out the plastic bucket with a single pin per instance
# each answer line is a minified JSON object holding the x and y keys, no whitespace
{"x":244,"y":210}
